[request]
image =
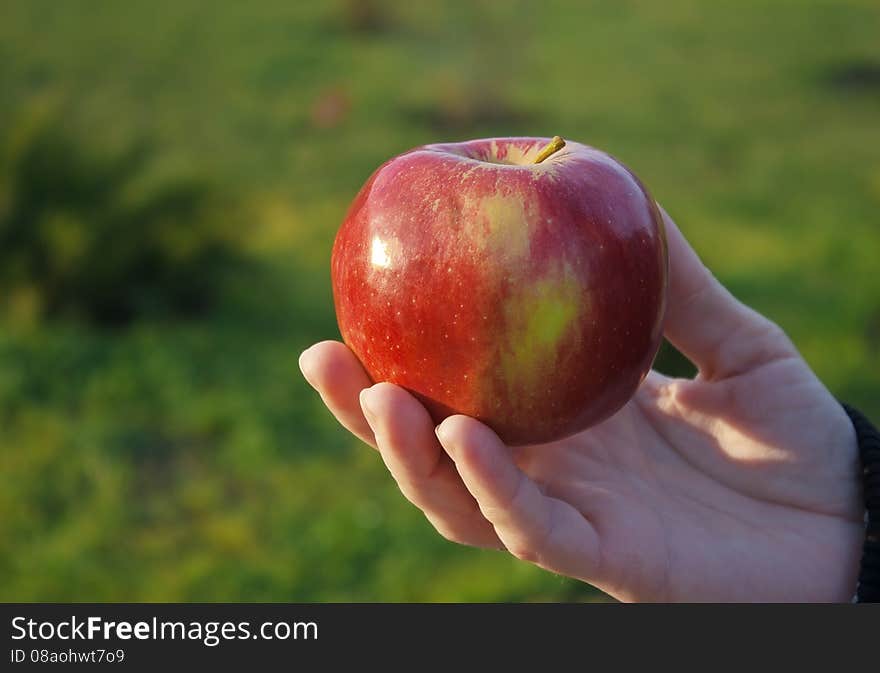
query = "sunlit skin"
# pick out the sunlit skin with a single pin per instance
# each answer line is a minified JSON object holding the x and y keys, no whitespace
{"x":518,"y":281}
{"x":739,"y":485}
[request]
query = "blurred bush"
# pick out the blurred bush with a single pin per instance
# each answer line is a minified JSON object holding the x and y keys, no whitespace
{"x":104,"y":235}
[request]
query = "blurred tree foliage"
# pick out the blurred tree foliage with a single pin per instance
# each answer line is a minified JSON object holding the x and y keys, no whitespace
{"x":100,"y":234}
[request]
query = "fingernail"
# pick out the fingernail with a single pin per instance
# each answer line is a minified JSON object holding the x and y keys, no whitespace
{"x":365,"y":406}
{"x":443,"y":437}
{"x":302,"y":367}
{"x":305,"y":369}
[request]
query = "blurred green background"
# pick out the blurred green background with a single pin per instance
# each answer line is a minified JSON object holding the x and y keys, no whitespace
{"x":172,"y":175}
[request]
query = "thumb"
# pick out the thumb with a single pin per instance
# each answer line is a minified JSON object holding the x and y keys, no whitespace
{"x":718,"y":333}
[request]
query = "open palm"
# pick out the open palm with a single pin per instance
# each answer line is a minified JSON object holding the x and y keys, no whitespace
{"x":738,"y":485}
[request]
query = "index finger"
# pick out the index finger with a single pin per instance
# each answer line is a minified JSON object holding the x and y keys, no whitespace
{"x":338,"y":376}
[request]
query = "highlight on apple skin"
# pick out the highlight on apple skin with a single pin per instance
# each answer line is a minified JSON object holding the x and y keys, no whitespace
{"x":520,"y":281}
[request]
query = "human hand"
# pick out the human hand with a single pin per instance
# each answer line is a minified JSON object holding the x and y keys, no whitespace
{"x":739,"y":485}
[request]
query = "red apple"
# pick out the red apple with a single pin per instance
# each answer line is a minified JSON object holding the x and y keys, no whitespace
{"x":520,"y":281}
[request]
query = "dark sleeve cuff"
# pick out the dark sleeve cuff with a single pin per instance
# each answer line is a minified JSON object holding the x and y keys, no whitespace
{"x":868,"y":438}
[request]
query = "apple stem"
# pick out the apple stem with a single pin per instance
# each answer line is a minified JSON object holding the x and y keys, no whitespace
{"x":550,"y":148}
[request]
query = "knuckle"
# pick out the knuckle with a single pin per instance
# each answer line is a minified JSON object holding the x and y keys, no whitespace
{"x":772,"y":343}
{"x":524,"y":552}
{"x":411,"y":492}
{"x":451,"y":535}
{"x":447,"y":531}
{"x":774,"y":334}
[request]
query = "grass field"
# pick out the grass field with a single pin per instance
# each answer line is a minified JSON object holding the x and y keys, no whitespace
{"x":185,"y":458}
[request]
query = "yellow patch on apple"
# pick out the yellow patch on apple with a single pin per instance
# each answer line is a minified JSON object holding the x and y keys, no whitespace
{"x":538,"y":315}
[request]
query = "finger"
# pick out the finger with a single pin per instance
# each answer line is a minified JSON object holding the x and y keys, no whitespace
{"x":718,"y":333}
{"x":532,"y":526}
{"x":338,"y":376}
{"x":426,"y":476}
